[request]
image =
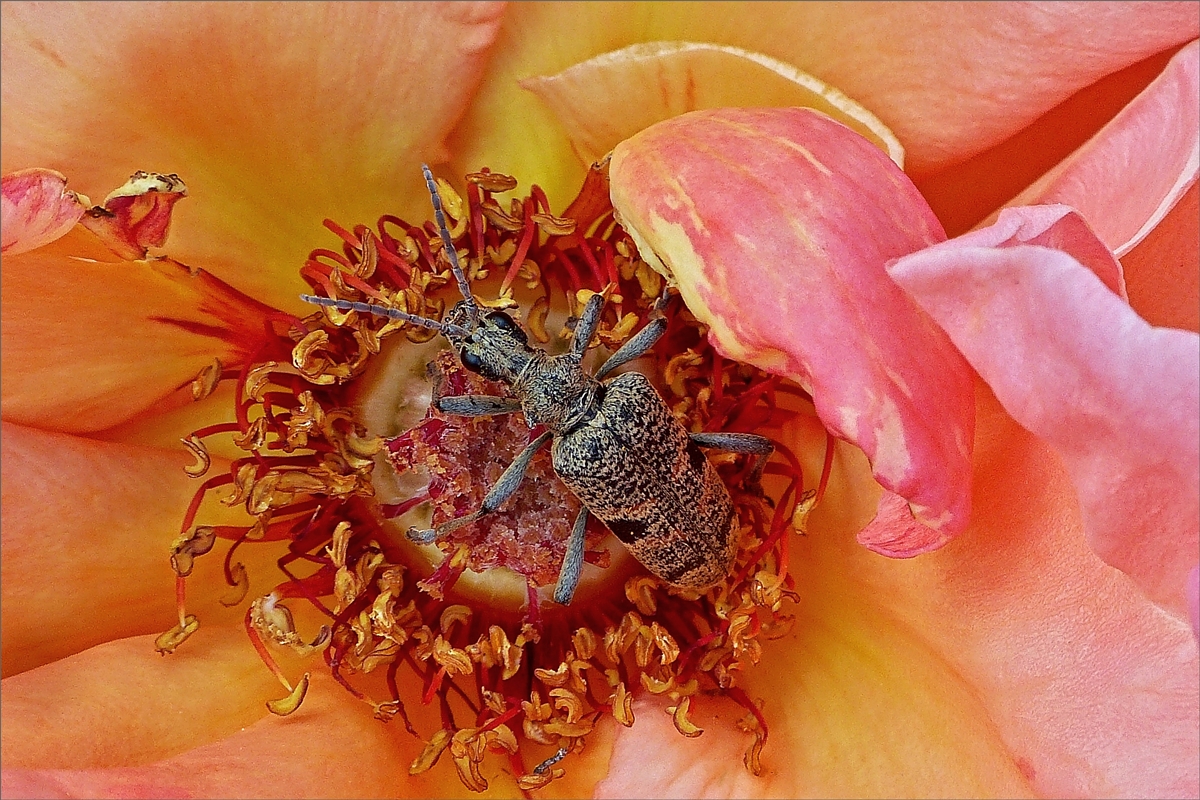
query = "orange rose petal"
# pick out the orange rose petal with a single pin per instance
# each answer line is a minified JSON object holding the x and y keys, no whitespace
{"x":607,"y":99}
{"x":86,"y":532}
{"x":952,"y":81}
{"x":1128,"y":176}
{"x":121,"y":704}
{"x":966,"y":193}
{"x":164,"y":428}
{"x":1161,"y":273}
{"x":853,"y":710}
{"x":277,"y":116}
{"x":37,"y":209}
{"x":1090,"y":685}
{"x":327,"y":748}
{"x":819,"y":211}
{"x":89,"y":344}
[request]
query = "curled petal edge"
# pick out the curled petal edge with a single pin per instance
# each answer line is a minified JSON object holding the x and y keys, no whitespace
{"x":1072,"y":363}
{"x":37,"y":209}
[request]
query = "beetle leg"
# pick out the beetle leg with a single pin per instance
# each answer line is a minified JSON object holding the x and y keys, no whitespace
{"x":568,"y":577}
{"x":509,"y":480}
{"x":477,"y":405}
{"x":643,"y":341}
{"x":739,"y":443}
{"x":585,"y":329}
{"x":636,"y":346}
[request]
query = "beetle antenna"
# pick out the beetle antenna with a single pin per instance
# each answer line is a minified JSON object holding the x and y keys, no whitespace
{"x":384,"y":311}
{"x":447,"y":243}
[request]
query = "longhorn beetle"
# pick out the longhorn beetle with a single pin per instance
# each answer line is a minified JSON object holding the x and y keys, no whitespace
{"x":616,"y":445}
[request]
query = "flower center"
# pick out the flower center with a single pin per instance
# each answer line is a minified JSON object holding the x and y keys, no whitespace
{"x":437,"y":467}
{"x":346,"y":450}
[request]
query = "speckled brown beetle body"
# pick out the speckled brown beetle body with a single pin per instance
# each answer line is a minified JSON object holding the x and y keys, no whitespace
{"x":635,"y":467}
{"x":616,"y":445}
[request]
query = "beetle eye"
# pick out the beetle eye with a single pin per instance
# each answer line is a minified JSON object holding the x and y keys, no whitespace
{"x":471,"y":361}
{"x":505,"y":323}
{"x":502,"y":320}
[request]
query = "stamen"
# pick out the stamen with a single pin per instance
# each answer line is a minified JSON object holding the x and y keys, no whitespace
{"x":529,"y":229}
{"x":528,"y":673}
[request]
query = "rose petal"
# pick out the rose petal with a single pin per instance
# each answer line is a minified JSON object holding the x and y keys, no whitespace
{"x":818,"y":214}
{"x":845,"y":720}
{"x":1117,"y":398}
{"x":1164,"y":284}
{"x":1129,"y":175}
{"x":330,"y":747}
{"x":1056,"y":227}
{"x":949,"y":80}
{"x":86,"y":532}
{"x":89,"y":343}
{"x":1010,"y":662}
{"x":1192,"y":593}
{"x":137,"y":215}
{"x":1091,"y":687}
{"x":277,"y":116}
{"x":605,"y":100}
{"x":37,"y":209}
{"x":963,"y":195}
{"x":121,"y":703}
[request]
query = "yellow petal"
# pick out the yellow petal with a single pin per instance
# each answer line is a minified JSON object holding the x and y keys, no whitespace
{"x":607,"y":99}
{"x":949,"y":80}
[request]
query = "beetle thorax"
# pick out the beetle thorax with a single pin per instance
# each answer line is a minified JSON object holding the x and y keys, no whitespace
{"x":555,"y":392}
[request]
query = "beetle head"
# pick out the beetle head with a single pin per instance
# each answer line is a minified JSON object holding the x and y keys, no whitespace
{"x":491,"y":343}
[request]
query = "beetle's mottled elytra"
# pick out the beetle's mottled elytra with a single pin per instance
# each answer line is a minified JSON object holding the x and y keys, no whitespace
{"x":614,"y":443}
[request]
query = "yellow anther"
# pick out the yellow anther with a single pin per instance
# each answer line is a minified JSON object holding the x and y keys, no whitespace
{"x":167,"y":642}
{"x":432,"y":751}
{"x":286,"y":705}
{"x":200,"y":453}
{"x":684,"y":725}
{"x":206,"y":381}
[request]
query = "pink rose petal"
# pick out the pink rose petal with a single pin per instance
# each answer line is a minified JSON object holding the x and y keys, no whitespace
{"x":1161,"y":273}
{"x":1073,"y":363}
{"x":1057,"y":227}
{"x":1091,"y":687}
{"x":819,"y":210}
{"x":1012,"y":662}
{"x":37,"y":208}
{"x":1129,"y":175}
{"x":1192,"y":592}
